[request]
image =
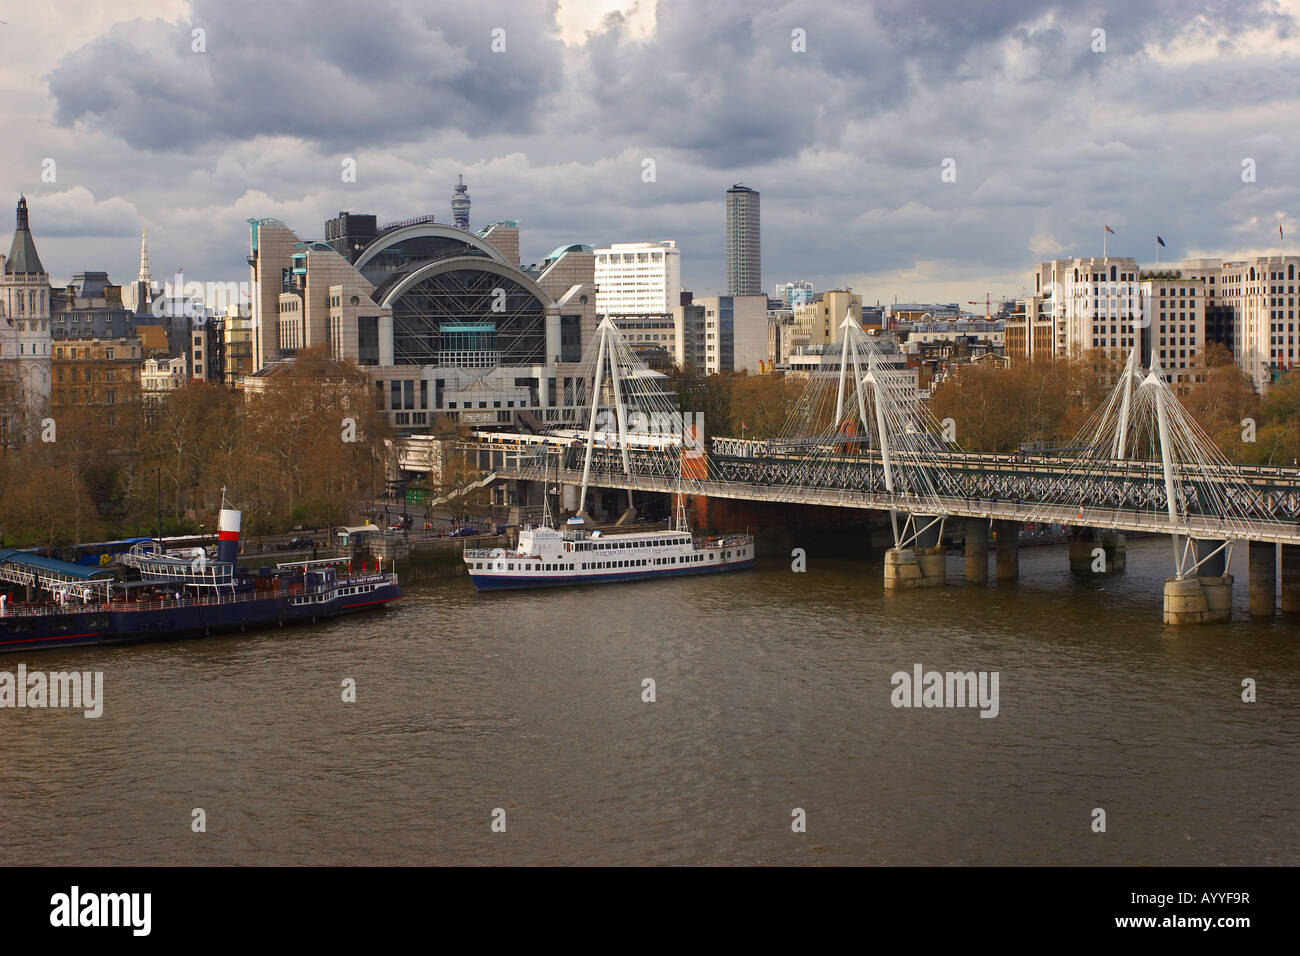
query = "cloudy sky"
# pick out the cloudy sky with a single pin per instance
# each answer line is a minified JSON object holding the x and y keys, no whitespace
{"x":1054,"y":129}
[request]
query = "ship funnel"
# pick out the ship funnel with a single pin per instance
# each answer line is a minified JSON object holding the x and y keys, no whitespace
{"x":228,"y":536}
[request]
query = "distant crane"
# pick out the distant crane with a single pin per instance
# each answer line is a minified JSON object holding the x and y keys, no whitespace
{"x":988,"y":304}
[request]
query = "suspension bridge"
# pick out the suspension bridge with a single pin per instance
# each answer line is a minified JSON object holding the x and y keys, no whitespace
{"x":859,"y":437}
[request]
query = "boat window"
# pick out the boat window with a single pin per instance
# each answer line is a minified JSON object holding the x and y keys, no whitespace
{"x":510,"y":567}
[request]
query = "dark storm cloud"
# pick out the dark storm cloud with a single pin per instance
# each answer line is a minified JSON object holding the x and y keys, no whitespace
{"x":844,"y":140}
{"x":329,"y":71}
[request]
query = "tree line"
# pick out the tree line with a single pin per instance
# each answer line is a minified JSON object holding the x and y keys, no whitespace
{"x":1049,"y":400}
{"x":1046,"y":400}
{"x":299,"y":452}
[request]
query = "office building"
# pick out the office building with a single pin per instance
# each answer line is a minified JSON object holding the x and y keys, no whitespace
{"x":636,"y":278}
{"x":744,"y":248}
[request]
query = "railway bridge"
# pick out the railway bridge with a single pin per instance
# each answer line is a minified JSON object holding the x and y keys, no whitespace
{"x":858,"y":440}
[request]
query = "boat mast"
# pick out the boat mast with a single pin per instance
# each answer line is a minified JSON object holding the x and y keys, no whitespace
{"x":546,"y":486}
{"x":681,"y":484}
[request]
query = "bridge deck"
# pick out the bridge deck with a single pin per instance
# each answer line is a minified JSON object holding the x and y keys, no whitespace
{"x":981,"y":486}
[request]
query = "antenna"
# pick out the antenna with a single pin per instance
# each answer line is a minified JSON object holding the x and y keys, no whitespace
{"x":546,"y":487}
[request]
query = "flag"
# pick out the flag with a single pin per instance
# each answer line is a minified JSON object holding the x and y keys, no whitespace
{"x":1110,"y":230}
{"x":1159,"y":240}
{"x":1280,"y":236}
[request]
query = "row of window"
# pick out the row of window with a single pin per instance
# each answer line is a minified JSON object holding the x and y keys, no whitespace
{"x":625,"y":545}
{"x":69,"y":397}
{"x":109,"y":376}
{"x":31,"y":299}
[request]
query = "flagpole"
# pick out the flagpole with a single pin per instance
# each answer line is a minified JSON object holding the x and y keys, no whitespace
{"x":1157,"y":253}
{"x":1103,"y":242}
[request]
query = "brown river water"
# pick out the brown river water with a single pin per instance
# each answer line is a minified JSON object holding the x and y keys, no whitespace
{"x":773,"y":692}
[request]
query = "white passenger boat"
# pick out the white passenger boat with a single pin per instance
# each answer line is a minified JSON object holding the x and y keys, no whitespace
{"x":546,"y":557}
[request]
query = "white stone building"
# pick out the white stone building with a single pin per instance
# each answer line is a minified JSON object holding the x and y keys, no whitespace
{"x":638,"y":278}
{"x":24,"y":334}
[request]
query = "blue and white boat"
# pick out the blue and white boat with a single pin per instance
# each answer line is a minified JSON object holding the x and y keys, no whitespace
{"x":546,"y":557}
{"x":151,"y":595}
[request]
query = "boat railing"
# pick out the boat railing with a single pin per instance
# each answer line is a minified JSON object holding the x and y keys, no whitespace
{"x":728,"y":541}
{"x":199,"y":571}
{"x":484,"y":552}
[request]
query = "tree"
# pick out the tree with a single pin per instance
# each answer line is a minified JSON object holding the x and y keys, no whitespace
{"x":1278,"y":438}
{"x":1220,"y":398}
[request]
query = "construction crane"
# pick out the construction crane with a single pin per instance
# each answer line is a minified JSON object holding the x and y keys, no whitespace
{"x":988,"y":304}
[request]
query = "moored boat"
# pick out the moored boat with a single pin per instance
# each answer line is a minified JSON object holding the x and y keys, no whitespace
{"x":156,"y":596}
{"x":546,"y":557}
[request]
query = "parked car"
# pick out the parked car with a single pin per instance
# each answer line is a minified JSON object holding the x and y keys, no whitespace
{"x":300,"y":544}
{"x":464,"y":531}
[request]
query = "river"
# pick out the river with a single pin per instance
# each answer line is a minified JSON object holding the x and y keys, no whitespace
{"x":772,"y":692}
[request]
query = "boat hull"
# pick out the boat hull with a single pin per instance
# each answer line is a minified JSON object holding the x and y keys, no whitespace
{"x":113,"y":626}
{"x":506,"y":582}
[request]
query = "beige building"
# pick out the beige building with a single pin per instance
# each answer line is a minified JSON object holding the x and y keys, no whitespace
{"x":504,"y":237}
{"x":1261,"y":292}
{"x":722,"y":333}
{"x":161,"y":376}
{"x":1092,"y":300}
{"x":568,"y":275}
{"x":1031,"y":330}
{"x":237,"y":341}
{"x":324,"y":302}
{"x":1174,"y":309}
{"x":817,"y":322}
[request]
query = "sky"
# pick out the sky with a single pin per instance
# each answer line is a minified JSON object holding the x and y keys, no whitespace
{"x":913,"y":150}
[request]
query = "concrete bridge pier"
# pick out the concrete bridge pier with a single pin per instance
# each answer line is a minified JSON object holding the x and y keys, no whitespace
{"x":1007,"y":534}
{"x":930,"y":554}
{"x":1204,"y":598}
{"x":1291,"y":579}
{"x":920,"y":566}
{"x":977,"y":550}
{"x":1116,"y":549}
{"x":1081,"y":545}
{"x":1263,"y":578}
{"x":1084,"y":543}
{"x":907,"y":568}
{"x":1198,"y":600}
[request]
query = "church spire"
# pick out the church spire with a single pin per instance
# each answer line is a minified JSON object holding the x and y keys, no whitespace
{"x":144,"y":258}
{"x":23,"y":259}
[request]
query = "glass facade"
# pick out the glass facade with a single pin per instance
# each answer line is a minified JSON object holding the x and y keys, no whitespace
{"x":449,"y":318}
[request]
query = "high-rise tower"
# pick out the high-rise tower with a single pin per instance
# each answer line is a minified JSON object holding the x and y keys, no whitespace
{"x":744,"y":253}
{"x":460,"y":205}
